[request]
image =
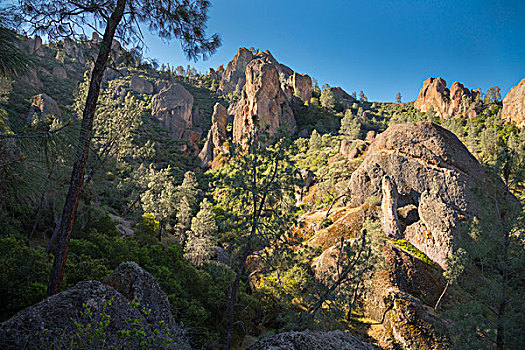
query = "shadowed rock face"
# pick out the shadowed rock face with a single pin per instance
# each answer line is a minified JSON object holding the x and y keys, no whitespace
{"x":141,"y":85}
{"x":307,"y":340}
{"x":432,"y":171}
{"x":458,"y":101}
{"x":172,"y":106}
{"x":263,"y":97}
{"x":111,"y":297}
{"x":514,"y":105}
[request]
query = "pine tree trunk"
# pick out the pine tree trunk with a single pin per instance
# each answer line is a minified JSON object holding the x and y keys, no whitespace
{"x":77,"y":175}
{"x":441,"y":296}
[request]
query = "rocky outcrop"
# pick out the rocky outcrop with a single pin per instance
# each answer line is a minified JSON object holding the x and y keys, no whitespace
{"x":140,"y":85}
{"x":342,"y":97}
{"x":308,"y":340}
{"x":263,"y":97}
{"x":302,"y":85}
{"x":217,"y":135}
{"x":60,"y":72}
{"x":433,"y":171}
{"x":52,"y":322}
{"x":234,"y":74}
{"x":448,"y":103}
{"x":389,"y":220}
{"x":172,"y":107}
{"x":514,"y":105}
{"x":42,"y":106}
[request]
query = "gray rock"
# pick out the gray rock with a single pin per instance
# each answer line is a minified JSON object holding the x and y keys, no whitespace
{"x":434,"y":171}
{"x":60,"y":72}
{"x":389,"y":220}
{"x":140,"y":85}
{"x":172,"y":106}
{"x":308,"y":340}
{"x":52,"y":321}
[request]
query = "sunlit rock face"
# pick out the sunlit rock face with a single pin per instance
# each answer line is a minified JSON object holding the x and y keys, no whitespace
{"x":514,"y":105}
{"x":263,"y":97}
{"x":448,"y":103}
{"x":217,"y":135}
{"x":433,"y":172}
{"x":172,"y":107}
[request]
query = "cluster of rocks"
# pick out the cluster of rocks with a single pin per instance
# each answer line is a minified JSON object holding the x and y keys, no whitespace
{"x":448,"y":103}
{"x":268,"y":88}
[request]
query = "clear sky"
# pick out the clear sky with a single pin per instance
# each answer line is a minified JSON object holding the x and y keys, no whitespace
{"x":380,"y":47}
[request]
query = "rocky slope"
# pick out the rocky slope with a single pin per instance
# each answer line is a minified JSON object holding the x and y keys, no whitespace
{"x":514,"y":105}
{"x":52,"y":321}
{"x":448,"y":103}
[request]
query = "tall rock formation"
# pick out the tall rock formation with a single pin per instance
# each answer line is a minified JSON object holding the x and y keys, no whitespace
{"x":233,"y":75}
{"x":42,"y":106}
{"x":448,"y":103}
{"x":302,"y":85}
{"x":514,"y":105}
{"x":435,"y":173}
{"x":217,"y":135}
{"x":263,"y":97}
{"x":172,"y":106}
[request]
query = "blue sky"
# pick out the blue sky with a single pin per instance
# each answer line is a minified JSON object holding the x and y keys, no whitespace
{"x":380,"y":47}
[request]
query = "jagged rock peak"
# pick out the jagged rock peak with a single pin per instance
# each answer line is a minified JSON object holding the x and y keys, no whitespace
{"x":263,"y":97}
{"x":448,"y":103}
{"x":514,"y":105}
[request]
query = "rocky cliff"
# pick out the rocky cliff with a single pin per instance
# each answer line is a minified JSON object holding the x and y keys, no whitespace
{"x":217,"y":136}
{"x":448,"y":103}
{"x":514,"y":105}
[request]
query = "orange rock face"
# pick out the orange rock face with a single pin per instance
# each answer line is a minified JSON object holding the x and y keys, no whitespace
{"x":447,"y":103}
{"x":514,"y":105}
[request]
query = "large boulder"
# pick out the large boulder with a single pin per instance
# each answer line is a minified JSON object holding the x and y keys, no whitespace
{"x":263,"y":97}
{"x":433,"y":171}
{"x":140,"y":85}
{"x":172,"y":107}
{"x":308,"y":340}
{"x":217,"y":135}
{"x":342,"y":97}
{"x":42,"y":106}
{"x":60,"y":319}
{"x":448,"y":103}
{"x":514,"y":105}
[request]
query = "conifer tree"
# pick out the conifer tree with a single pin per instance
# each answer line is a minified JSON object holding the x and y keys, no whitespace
{"x":203,"y":235}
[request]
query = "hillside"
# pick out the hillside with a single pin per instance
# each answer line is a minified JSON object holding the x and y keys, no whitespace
{"x":310,"y":216}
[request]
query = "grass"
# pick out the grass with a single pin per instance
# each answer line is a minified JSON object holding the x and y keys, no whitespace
{"x":412,"y":250}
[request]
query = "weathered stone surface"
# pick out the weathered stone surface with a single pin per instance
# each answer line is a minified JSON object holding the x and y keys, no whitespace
{"x":234,"y":74}
{"x":31,"y":77}
{"x":342,"y":97}
{"x":262,"y":97}
{"x":42,"y":106}
{"x":389,"y":220}
{"x":60,"y":72}
{"x":370,"y":136}
{"x":141,"y":85}
{"x":57,"y":314}
{"x":432,"y":170}
{"x":172,"y":106}
{"x":308,"y":340}
{"x":514,"y":105}
{"x":302,"y":83}
{"x":458,"y":101}
{"x":217,"y":135}
{"x":345,"y":147}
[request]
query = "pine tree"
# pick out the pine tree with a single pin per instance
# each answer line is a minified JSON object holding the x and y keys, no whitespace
{"x":203,"y":235}
{"x":327,"y":98}
{"x":398,"y":97}
{"x":315,"y":141}
{"x":350,"y":125}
